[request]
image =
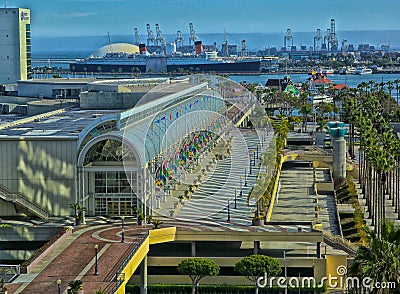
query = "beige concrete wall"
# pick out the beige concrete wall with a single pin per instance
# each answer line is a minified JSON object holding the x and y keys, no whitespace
{"x":109,"y":100}
{"x":43,"y":170}
{"x":318,"y":264}
{"x":316,"y":157}
{"x":325,"y":186}
{"x":7,"y":208}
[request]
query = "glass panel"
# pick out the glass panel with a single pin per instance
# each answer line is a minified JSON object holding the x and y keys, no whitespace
{"x":112,"y":207}
{"x":100,"y":206}
{"x":125,"y":207}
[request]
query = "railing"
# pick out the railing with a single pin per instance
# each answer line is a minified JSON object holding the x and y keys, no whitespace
{"x":9,"y":272}
{"x":340,"y":242}
{"x":21,"y":199}
{"x":119,"y":276}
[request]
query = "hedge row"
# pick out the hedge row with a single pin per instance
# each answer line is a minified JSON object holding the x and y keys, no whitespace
{"x":214,"y":289}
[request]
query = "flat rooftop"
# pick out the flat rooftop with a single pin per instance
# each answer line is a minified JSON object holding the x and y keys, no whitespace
{"x":69,"y":122}
{"x":62,"y":123}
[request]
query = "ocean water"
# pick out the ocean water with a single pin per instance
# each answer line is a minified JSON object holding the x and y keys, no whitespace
{"x":350,"y":80}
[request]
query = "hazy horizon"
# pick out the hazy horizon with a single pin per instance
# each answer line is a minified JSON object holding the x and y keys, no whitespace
{"x":84,"y":45}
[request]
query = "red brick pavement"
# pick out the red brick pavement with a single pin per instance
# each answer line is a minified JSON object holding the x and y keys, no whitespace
{"x":72,"y":261}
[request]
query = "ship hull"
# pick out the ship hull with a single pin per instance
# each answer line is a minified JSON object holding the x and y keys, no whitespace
{"x":163,"y":67}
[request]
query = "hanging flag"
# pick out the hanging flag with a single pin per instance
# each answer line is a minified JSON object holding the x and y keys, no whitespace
{"x":170,"y":116}
{"x":177,"y":114}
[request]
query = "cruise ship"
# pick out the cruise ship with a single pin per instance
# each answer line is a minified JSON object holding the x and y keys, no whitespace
{"x":363,"y":71}
{"x":114,"y":60}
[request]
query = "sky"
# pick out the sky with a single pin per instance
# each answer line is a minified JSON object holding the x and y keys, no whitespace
{"x":51,"y":18}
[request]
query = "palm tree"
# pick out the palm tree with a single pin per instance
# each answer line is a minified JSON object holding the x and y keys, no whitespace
{"x":390,"y":87}
{"x":397,"y":86}
{"x":380,"y":261}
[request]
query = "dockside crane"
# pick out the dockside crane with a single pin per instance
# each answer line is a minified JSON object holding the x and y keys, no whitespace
{"x":160,"y":40}
{"x":345,"y":45}
{"x":193,"y":37}
{"x":179,"y":39}
{"x":333,"y":41}
{"x":225,"y":45}
{"x":150,"y":36}
{"x":244,"y":48}
{"x":137,"y":37}
{"x":317,"y":40}
{"x":288,"y":38}
{"x":327,"y":43}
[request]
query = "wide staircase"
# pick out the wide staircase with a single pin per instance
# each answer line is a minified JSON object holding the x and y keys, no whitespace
{"x":211,"y":199}
{"x":23,"y":201}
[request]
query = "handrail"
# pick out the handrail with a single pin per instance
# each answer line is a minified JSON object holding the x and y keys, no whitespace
{"x":345,"y":245}
{"x":17,"y":197}
{"x":119,"y":277}
{"x":9,"y":272}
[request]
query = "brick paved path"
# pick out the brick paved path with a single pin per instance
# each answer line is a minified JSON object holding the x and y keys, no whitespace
{"x":77,"y":261}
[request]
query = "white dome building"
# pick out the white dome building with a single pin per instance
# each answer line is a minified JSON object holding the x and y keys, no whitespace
{"x":116,"y":48}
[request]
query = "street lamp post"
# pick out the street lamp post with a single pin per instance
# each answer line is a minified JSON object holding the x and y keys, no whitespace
{"x":229,"y":209}
{"x":257,"y":151}
{"x":235,"y":198}
{"x":96,"y":267}
{"x":123,"y":230}
{"x":245,"y":177}
{"x":58,"y":286}
{"x":240,"y":193}
{"x":250,"y":165}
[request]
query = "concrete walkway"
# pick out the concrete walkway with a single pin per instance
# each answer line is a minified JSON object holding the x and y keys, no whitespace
{"x":296,"y":199}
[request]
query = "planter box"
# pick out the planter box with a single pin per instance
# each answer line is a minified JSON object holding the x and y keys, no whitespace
{"x":28,"y":268}
{"x":257,"y":222}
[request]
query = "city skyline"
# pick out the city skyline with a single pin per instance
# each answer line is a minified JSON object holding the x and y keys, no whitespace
{"x":119,"y":17}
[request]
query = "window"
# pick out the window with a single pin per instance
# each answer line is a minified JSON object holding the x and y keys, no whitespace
{"x":112,"y":183}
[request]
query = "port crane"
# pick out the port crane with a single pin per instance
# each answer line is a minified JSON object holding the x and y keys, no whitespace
{"x":288,"y":38}
{"x":137,"y":37}
{"x":150,"y":36}
{"x":179,"y":39}
{"x":160,"y":40}
{"x":244,"y":48}
{"x":345,"y":46}
{"x":333,"y":41}
{"x":326,"y":43}
{"x":192,"y":37}
{"x":226,"y":51}
{"x":317,"y":40}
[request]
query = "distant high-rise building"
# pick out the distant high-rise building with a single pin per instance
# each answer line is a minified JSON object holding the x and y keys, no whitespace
{"x":15,"y":45}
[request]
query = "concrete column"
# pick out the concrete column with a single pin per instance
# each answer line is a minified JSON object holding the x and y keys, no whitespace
{"x":143,"y":276}
{"x":193,"y":249}
{"x":339,"y":157}
{"x":337,"y":133}
{"x":256,"y":247}
{"x":318,"y":249}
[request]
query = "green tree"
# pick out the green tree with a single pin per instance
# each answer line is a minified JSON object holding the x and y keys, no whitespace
{"x":380,"y":261}
{"x":255,"y":266}
{"x":198,"y":268}
{"x":78,"y":212}
{"x":75,"y":286}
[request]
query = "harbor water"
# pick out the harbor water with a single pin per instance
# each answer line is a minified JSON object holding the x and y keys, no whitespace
{"x":350,"y":80}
